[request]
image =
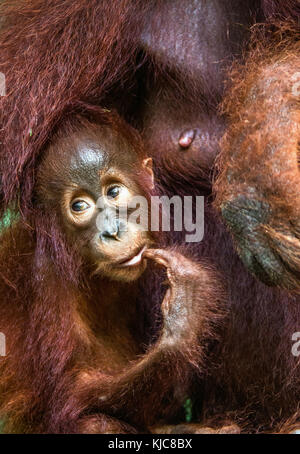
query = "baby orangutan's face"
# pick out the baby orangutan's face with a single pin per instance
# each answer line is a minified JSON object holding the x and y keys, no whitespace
{"x":90,"y":185}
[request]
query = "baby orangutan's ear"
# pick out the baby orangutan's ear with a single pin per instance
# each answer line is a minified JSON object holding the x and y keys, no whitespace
{"x":148,"y":166}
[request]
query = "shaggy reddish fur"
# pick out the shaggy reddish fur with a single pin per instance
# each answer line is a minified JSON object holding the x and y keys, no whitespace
{"x":264,"y":136}
{"x":281,"y":10}
{"x":57,"y":56}
{"x":70,"y":65}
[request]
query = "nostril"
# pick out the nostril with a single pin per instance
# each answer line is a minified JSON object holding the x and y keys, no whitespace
{"x":110,"y":229}
{"x":109,"y":234}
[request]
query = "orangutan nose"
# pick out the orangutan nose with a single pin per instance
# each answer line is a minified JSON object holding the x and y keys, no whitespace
{"x":110,"y":230}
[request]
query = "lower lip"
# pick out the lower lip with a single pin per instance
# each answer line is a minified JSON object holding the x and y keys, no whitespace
{"x":136,"y":260}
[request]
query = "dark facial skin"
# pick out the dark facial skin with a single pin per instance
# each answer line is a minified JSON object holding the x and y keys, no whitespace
{"x":86,"y":185}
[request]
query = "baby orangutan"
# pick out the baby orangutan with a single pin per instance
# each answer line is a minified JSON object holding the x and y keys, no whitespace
{"x":78,"y":359}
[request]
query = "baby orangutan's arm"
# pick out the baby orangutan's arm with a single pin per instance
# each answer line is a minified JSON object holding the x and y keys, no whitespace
{"x":190,"y":309}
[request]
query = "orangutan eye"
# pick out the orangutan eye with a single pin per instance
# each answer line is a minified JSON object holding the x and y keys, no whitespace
{"x":80,"y":205}
{"x":79,"y":209}
{"x":113,"y":192}
{"x":117,"y":194}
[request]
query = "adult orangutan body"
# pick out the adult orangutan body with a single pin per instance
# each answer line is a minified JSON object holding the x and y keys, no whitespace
{"x":162,"y":66}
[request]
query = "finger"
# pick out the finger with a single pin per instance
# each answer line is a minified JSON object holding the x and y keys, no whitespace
{"x":159,"y":256}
